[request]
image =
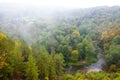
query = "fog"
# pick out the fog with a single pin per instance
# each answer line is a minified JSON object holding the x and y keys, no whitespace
{"x":27,"y":21}
{"x":70,"y":4}
{"x":19,"y":17}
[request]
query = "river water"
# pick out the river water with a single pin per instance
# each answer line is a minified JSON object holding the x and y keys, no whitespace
{"x":98,"y":66}
{"x":94,"y":67}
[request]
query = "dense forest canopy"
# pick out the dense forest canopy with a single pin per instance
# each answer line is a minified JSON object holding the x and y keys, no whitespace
{"x":43,"y":44}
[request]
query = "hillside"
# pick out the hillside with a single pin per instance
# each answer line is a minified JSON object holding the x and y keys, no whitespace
{"x":43,"y":43}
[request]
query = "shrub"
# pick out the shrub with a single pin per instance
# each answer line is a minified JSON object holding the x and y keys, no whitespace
{"x":68,"y":77}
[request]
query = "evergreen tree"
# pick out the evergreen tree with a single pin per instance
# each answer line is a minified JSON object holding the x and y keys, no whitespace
{"x":31,"y":70}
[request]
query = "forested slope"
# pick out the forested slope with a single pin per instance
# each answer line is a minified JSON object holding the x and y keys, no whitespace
{"x":38,"y":45}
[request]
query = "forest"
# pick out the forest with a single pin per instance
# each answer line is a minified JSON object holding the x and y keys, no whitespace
{"x":77,"y":44}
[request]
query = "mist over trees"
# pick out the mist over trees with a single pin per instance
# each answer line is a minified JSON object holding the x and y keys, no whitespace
{"x":41,"y":43}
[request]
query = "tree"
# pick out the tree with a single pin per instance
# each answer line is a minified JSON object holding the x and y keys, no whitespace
{"x":116,"y":40}
{"x":25,"y":49}
{"x":86,"y":50}
{"x":74,"y":55}
{"x":31,"y":70}
{"x":109,"y":34}
{"x":75,"y":38}
{"x":43,"y":60}
{"x":15,"y":60}
{"x":6,"y":48}
{"x":113,"y":55}
{"x":66,"y":50}
{"x":59,"y":61}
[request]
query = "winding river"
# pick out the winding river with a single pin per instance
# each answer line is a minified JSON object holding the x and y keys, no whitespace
{"x":98,"y":66}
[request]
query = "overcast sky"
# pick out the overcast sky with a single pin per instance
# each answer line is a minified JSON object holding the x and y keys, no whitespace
{"x":66,"y":3}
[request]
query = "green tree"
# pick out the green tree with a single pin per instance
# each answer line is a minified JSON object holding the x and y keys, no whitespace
{"x":113,"y":55}
{"x":15,"y":60}
{"x":6,"y":49}
{"x":116,"y":40}
{"x":31,"y":70}
{"x":86,"y":50}
{"x":66,"y":50}
{"x":43,"y":62}
{"x":59,"y":61}
{"x":25,"y":49}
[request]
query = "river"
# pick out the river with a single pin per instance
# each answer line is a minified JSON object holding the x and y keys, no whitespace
{"x":98,"y":66}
